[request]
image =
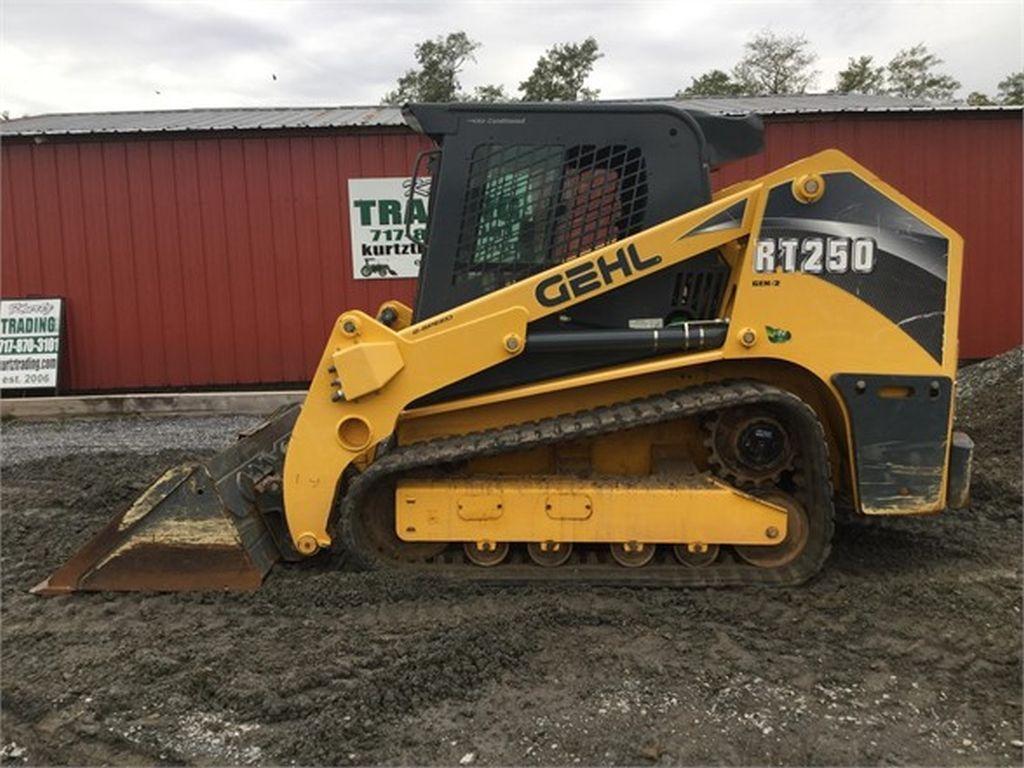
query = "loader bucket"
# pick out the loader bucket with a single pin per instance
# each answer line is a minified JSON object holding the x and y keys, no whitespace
{"x":200,"y":527}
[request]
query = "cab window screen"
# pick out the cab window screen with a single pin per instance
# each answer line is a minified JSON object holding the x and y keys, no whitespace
{"x":528,"y":207}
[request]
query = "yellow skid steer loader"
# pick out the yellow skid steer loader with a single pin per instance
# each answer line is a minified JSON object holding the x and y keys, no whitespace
{"x":610,"y":375}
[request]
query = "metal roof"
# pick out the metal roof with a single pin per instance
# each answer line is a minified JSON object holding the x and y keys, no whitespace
{"x":821,"y":103}
{"x":201,"y":120}
{"x":263,"y":118}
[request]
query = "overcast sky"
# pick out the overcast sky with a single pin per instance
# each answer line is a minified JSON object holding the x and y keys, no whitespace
{"x":78,"y":55}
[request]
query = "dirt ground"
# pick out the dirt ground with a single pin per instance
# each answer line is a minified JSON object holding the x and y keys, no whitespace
{"x":906,"y":650}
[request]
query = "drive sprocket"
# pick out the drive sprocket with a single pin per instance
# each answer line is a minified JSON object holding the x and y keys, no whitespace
{"x":749,"y":446}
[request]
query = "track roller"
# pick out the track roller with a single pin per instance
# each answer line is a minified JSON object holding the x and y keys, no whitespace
{"x":549,"y":554}
{"x":632,"y":554}
{"x":696,"y":555}
{"x":486,"y":553}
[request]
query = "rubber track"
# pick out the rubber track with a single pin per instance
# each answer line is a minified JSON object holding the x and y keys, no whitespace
{"x":813,"y":480}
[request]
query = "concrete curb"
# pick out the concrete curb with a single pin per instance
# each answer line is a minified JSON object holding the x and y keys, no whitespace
{"x":149,"y":404}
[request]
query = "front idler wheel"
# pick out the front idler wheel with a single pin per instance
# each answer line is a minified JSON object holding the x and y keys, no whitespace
{"x":376,"y":526}
{"x":798,"y":530}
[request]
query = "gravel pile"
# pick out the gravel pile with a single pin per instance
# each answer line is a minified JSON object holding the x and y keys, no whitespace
{"x":989,"y":409}
{"x":22,"y":441}
{"x":986,"y":383}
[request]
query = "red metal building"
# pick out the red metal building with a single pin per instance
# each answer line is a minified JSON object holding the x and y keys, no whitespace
{"x":210,"y":248}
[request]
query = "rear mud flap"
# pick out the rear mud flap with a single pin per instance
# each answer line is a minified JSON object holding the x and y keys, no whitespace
{"x":899,"y":425}
{"x":200,"y":527}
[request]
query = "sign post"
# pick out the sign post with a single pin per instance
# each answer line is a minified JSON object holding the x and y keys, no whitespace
{"x":31,"y":332}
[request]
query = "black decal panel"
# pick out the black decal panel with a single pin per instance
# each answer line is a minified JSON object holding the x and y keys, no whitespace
{"x":907,"y":279}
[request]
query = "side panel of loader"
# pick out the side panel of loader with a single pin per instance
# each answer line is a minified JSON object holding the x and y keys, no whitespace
{"x":808,"y":307}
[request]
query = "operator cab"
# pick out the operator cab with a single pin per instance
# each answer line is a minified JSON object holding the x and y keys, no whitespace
{"x":518,"y":188}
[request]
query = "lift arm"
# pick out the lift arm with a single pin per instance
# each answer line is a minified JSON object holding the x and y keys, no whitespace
{"x":369,"y":374}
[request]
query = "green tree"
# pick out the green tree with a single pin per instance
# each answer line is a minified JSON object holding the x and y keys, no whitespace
{"x":774,"y":63}
{"x":979,"y":99}
{"x":489,"y":94}
{"x":561,"y":72}
{"x":1011,"y":89}
{"x":861,"y":76}
{"x":714,"y":82}
{"x":912,"y":75}
{"x":437,"y":78}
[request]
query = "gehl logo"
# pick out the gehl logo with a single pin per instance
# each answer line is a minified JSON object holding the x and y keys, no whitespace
{"x":589,"y":276}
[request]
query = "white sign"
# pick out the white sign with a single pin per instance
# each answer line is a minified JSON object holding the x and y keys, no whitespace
{"x":30,"y":334}
{"x":378,"y":212}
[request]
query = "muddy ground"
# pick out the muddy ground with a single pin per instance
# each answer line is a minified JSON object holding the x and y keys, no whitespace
{"x":907,"y":649}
